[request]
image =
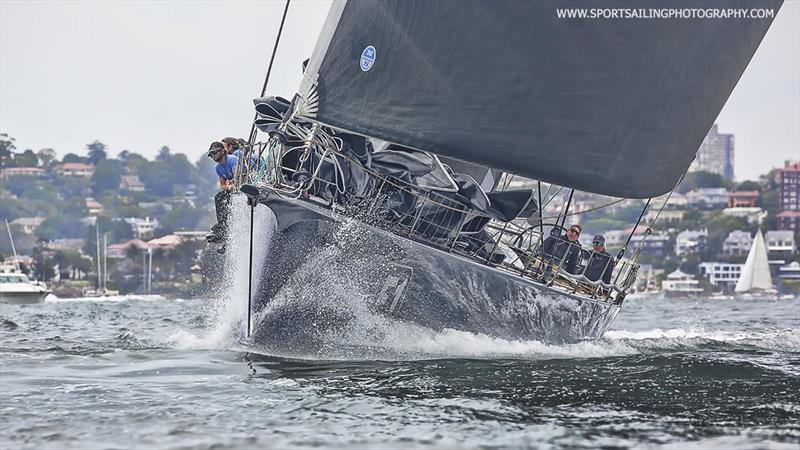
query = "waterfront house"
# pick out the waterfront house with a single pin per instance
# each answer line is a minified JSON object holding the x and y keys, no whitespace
{"x":22,"y":172}
{"x":169,"y":242}
{"x":666,"y":216}
{"x":743,"y":199}
{"x":142,"y":228}
{"x":93,"y":207}
{"x":721,"y":274}
{"x":121,"y":250}
{"x":74,"y":170}
{"x":131,"y":183}
{"x":790,"y":272}
{"x":680,"y":284}
{"x":780,"y":243}
{"x":753,"y":214}
{"x":737,"y":243}
{"x":27,"y":225}
{"x":690,"y":240}
{"x":788,"y":180}
{"x":708,"y":198}
{"x":789,"y":220}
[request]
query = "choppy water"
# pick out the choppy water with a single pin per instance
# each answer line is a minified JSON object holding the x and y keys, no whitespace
{"x":144,"y":373}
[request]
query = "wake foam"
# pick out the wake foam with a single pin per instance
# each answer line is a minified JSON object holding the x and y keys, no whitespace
{"x":108,"y":298}
{"x":687,"y":339}
{"x":331,"y":297}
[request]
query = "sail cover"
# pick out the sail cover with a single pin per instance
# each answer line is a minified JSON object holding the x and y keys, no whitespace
{"x":612,"y":106}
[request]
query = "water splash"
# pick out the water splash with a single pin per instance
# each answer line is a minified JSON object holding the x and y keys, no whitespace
{"x":228,"y":311}
{"x":332,"y":295}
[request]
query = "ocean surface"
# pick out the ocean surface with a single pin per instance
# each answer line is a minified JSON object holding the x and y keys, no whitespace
{"x":138,"y":372}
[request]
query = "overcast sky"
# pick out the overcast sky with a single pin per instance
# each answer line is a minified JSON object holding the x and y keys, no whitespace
{"x":138,"y":75}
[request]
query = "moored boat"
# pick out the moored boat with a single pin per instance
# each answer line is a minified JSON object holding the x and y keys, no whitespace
{"x":17,"y":288}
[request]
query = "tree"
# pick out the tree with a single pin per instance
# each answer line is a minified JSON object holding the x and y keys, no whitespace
{"x":80,"y":264}
{"x":702,"y":179}
{"x":107,"y":175}
{"x":24,"y":159}
{"x":117,"y":230}
{"x":42,"y":265}
{"x":61,"y":226}
{"x":136,"y":163}
{"x":748,"y":186}
{"x":181,"y":216}
{"x":6,"y":146}
{"x":97,"y":151}
{"x":46,"y":156}
{"x":73,"y":158}
{"x":20,"y":184}
{"x":164,"y":154}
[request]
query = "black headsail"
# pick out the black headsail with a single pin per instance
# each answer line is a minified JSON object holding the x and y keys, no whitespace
{"x":615,"y":106}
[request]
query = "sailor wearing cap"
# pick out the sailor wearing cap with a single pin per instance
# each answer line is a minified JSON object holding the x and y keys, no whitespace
{"x":225,"y":169}
{"x":601,"y":263}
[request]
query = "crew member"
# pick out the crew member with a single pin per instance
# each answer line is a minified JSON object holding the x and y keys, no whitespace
{"x":564,"y":249}
{"x":225,"y":169}
{"x":601,"y":263}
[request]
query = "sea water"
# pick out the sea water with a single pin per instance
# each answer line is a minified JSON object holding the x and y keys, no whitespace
{"x":147,"y":372}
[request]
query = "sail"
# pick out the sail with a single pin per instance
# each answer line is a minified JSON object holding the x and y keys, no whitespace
{"x":755,"y":273}
{"x":612,"y":106}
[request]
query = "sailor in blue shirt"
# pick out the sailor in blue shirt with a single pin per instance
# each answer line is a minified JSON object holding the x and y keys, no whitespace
{"x":225,"y":169}
{"x":235,"y":147}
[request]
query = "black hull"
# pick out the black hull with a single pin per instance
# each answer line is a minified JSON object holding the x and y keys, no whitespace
{"x":325,"y":271}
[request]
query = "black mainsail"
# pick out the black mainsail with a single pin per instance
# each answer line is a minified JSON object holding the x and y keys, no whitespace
{"x":612,"y":106}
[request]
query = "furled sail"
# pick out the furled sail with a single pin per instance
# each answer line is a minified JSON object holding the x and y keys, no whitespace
{"x":612,"y":106}
{"x":755,"y":273}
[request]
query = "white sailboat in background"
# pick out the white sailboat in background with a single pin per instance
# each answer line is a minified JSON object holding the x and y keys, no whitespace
{"x":102,"y":271}
{"x":755,"y":279}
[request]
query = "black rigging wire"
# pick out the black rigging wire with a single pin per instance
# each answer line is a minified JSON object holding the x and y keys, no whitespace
{"x":269,"y":70}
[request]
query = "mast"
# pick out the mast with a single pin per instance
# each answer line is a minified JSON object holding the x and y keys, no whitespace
{"x":97,"y":242}
{"x":105,"y":261}
{"x":13,"y":249}
{"x":149,"y":269}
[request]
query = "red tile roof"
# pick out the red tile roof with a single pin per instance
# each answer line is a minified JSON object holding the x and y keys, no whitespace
{"x":75,"y":166}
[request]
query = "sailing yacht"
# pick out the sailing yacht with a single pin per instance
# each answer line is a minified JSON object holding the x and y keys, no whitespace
{"x":102,"y":271}
{"x":755,"y":279}
{"x":366,"y":205}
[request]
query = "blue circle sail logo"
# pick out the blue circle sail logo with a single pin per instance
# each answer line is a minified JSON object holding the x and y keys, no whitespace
{"x":367,"y":58}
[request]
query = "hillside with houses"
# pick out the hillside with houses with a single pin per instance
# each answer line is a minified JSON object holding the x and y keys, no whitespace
{"x":153,"y":214}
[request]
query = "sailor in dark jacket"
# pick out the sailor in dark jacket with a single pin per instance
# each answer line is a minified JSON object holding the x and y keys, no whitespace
{"x":563,"y":250}
{"x":601,"y":263}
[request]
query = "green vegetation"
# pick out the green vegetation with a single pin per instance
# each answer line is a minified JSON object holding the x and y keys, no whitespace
{"x":169,"y":188}
{"x":61,"y":200}
{"x":702,"y":179}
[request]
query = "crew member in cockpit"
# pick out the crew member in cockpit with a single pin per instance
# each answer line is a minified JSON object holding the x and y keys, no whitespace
{"x":565,"y":249}
{"x":601,"y":263}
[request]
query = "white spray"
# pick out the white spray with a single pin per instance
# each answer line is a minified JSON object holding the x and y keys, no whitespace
{"x":228,"y":311}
